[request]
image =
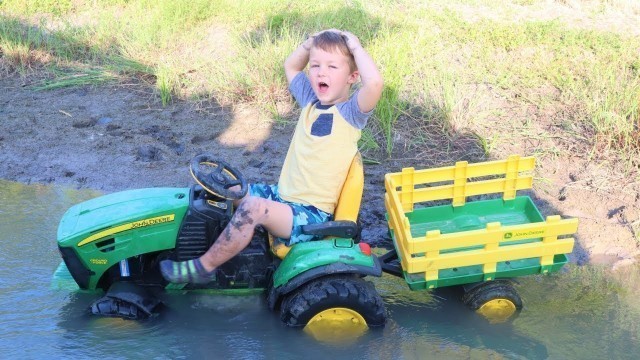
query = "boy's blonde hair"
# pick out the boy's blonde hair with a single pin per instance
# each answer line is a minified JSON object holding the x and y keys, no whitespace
{"x":331,"y":41}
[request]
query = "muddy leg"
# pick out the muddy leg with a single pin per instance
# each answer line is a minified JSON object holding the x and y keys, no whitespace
{"x":252,"y":211}
{"x":276,"y":217}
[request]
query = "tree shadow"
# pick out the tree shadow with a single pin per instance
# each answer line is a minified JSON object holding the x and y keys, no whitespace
{"x":419,"y":136}
{"x":101,"y":96}
{"x":64,"y":58}
{"x":399,"y":130}
{"x":401,"y":133}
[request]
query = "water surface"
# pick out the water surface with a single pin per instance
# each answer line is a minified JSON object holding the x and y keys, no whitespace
{"x":580,"y":313}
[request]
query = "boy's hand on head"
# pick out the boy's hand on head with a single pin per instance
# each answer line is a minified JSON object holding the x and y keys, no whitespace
{"x":353,"y":43}
{"x":307,"y":44}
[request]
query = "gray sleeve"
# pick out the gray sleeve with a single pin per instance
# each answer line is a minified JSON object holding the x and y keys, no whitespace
{"x":301,"y":90}
{"x":351,"y":112}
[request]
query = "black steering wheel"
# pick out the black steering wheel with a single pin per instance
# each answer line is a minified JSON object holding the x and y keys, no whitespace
{"x":218,"y":178}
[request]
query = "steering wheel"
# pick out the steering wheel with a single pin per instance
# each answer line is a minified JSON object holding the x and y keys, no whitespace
{"x":218,"y":178}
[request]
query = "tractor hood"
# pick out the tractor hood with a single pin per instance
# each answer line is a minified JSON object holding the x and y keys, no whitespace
{"x":86,"y":221}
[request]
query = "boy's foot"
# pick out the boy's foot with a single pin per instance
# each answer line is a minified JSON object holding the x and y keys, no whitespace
{"x":190,"y":271}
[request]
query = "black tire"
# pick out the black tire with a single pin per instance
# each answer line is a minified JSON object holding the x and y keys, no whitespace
{"x":342,"y":291}
{"x":498,"y":301}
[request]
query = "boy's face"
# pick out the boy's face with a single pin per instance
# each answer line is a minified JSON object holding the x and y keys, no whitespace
{"x":330,"y":76}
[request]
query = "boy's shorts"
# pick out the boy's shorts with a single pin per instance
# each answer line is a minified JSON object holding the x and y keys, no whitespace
{"x":302,"y":214}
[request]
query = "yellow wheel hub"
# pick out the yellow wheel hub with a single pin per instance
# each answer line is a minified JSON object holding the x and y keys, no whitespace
{"x":497,"y":310}
{"x":336,"y":325}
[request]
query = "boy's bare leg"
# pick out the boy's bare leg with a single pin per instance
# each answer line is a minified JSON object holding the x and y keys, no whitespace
{"x":277,"y":218}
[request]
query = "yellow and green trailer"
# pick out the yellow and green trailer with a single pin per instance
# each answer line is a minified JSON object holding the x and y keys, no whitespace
{"x":464,"y":225}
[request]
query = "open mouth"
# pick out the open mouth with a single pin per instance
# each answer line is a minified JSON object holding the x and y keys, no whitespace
{"x":323,"y":86}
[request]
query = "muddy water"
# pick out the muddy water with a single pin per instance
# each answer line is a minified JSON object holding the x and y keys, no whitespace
{"x":581,"y":313}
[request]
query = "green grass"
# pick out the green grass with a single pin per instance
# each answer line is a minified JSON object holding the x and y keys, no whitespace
{"x":74,"y":78}
{"x":459,"y":70}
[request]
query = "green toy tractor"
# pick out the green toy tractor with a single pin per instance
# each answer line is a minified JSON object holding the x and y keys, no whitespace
{"x":444,"y":231}
{"x":114,"y":243}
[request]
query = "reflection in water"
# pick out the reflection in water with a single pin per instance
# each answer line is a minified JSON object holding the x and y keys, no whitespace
{"x":587,"y":310}
{"x":441,"y":324}
{"x":582,"y":312}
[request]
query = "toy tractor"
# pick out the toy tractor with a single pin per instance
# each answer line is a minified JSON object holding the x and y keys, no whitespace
{"x":114,"y":243}
{"x":441,"y":238}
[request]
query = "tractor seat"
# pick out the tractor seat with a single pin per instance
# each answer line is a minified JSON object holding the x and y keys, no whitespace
{"x":345,"y":217}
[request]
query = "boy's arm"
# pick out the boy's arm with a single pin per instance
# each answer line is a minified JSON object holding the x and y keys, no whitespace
{"x":372,"y":83}
{"x":298,"y":59}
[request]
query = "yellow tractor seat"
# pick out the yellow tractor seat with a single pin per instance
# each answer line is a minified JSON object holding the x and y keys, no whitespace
{"x":345,"y":217}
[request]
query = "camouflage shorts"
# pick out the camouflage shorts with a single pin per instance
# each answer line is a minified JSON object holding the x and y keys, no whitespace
{"x":302,"y":214}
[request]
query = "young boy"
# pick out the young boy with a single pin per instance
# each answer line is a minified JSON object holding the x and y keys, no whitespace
{"x":323,"y":145}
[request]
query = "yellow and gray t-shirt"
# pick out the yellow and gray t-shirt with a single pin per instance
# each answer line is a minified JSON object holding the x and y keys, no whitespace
{"x":323,"y":145}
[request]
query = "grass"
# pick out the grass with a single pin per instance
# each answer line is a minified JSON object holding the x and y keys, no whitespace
{"x":459,"y":70}
{"x":75,"y":78}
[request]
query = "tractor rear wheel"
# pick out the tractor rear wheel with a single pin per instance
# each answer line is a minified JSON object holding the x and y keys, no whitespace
{"x":334,"y":307}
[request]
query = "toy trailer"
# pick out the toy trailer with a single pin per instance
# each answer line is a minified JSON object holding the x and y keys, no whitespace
{"x":478,"y":244}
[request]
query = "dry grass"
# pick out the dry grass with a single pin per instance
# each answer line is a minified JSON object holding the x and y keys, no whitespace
{"x":464,"y":79}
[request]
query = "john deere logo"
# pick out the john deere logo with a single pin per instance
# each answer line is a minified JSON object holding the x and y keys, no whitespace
{"x":523,"y":234}
{"x":132,"y":225}
{"x":152,"y":221}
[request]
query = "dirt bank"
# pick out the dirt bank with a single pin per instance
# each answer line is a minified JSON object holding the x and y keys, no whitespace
{"x":120,"y":137}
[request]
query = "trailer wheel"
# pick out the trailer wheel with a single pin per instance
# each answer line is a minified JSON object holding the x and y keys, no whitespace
{"x":334,"y":308}
{"x":497,"y":301}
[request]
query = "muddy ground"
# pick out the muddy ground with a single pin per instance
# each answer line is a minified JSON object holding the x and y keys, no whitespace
{"x":118,"y":137}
